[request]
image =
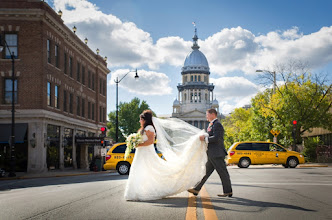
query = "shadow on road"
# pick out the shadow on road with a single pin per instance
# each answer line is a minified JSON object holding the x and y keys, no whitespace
{"x":6,"y":185}
{"x":252,"y":203}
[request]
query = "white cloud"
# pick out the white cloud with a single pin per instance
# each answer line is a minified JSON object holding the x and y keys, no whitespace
{"x":229,"y":50}
{"x":234,"y":92}
{"x":234,"y":49}
{"x":149,"y":82}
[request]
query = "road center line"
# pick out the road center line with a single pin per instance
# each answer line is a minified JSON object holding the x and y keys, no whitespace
{"x":191,"y":209}
{"x":208,"y":209}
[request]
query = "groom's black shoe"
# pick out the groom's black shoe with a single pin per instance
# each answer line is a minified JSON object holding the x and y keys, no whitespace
{"x":193,"y":191}
{"x":226,"y":194}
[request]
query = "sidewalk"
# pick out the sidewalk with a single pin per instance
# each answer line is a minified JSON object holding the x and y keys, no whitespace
{"x":52,"y":173}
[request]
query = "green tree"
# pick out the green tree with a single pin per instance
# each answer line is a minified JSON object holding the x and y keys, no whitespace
{"x":301,"y":96}
{"x":128,"y":118}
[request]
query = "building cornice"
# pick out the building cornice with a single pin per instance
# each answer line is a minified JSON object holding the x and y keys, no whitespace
{"x":59,"y":27}
{"x":40,"y":114}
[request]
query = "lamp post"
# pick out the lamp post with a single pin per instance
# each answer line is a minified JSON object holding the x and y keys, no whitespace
{"x":274,"y":78}
{"x":117,"y":81}
{"x":12,"y":137}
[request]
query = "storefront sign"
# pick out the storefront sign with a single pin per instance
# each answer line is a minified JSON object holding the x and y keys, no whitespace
{"x":89,"y":140}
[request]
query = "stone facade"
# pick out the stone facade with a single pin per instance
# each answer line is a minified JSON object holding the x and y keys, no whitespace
{"x":195,"y":93}
{"x":61,"y":86}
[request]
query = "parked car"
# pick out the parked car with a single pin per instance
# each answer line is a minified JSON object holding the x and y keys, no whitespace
{"x":260,"y":152}
{"x":115,"y":158}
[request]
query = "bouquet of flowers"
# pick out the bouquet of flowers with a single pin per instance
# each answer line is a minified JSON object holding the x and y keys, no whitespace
{"x":132,"y":141}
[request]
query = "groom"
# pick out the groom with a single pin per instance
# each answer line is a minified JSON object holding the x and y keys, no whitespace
{"x":216,"y":154}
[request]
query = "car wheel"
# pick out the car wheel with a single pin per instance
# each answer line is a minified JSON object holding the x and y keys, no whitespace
{"x":123,"y":168}
{"x":244,"y":162}
{"x":285,"y":165}
{"x":292,"y":162}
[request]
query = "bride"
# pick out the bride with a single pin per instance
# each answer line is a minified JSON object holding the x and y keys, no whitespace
{"x":152,"y":177}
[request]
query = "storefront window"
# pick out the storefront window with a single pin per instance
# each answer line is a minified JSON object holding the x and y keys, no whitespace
{"x":53,"y":146}
{"x":68,"y":147}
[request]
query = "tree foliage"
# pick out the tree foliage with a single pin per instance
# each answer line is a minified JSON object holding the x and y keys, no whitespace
{"x":298,"y":96}
{"x":128,"y":118}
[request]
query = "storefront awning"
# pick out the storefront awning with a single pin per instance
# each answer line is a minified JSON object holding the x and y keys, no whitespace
{"x":6,"y":130}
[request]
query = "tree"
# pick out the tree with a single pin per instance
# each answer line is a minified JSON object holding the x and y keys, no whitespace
{"x":301,"y":96}
{"x":128,"y":118}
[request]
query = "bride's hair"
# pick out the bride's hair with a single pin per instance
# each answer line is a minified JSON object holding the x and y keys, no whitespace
{"x":147,"y":116}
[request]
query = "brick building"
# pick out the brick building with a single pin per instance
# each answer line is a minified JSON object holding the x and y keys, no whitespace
{"x":60,"y":89}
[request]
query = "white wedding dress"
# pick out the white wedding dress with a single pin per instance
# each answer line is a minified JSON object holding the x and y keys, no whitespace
{"x":152,"y":177}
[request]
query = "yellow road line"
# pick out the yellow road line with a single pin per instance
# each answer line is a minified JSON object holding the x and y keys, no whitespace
{"x":208,"y":210}
{"x":191,"y":209}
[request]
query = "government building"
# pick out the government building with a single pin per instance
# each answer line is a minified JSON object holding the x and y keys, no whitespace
{"x":59,"y":90}
{"x":195,"y":93}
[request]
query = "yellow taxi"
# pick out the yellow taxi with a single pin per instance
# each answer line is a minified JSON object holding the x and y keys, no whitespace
{"x":115,"y":158}
{"x":260,"y":152}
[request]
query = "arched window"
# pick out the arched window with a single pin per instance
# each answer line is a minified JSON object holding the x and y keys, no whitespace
{"x":199,"y":78}
{"x":192,"y":78}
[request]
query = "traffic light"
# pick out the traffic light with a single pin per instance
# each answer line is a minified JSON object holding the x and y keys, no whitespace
{"x":103,"y":131}
{"x":102,"y":143}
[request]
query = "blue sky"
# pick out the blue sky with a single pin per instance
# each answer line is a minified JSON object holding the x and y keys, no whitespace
{"x":237,"y":37}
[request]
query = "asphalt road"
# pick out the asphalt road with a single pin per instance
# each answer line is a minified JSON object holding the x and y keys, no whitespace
{"x":260,"y":192}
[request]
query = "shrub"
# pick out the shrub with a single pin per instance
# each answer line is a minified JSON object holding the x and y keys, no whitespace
{"x":310,"y":145}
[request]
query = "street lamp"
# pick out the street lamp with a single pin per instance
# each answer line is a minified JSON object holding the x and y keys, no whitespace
{"x":12,"y":137}
{"x":274,"y":78}
{"x":117,"y":81}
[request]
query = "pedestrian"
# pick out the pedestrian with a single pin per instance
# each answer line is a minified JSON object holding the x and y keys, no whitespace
{"x":216,"y":153}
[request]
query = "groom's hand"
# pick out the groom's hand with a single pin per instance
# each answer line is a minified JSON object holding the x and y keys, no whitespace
{"x":202,"y":137}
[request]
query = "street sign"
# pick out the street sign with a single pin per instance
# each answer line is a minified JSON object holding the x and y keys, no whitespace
{"x":275,"y":133}
{"x":89,"y":140}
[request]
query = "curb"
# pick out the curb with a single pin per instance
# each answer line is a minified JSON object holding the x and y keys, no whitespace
{"x":304,"y":166}
{"x":51,"y":176}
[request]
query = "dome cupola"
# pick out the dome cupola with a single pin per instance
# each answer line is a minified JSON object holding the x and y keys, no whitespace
{"x":195,"y":60}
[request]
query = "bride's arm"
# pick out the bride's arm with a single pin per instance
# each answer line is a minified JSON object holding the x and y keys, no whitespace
{"x":150,"y":139}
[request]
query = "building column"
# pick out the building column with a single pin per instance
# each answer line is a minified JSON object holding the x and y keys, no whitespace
{"x":61,"y":149}
{"x":74,"y":150}
{"x":37,"y":151}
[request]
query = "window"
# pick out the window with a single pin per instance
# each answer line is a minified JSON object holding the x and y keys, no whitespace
{"x":244,"y":146}
{"x":11,"y":40}
{"x":195,"y":78}
{"x":199,"y":78}
{"x":191,"y":78}
{"x":105,"y":87}
{"x":104,"y":114}
{"x":89,"y":79}
{"x":83,"y":75}
{"x":120,"y":149}
{"x":56,"y":97}
{"x":93,"y":111}
{"x":83,"y":108}
{"x":56,"y":53}
{"x":65,"y":63}
{"x":48,"y":51}
{"x":101,"y":86}
{"x":71,"y":66}
{"x":70,"y":103}
{"x":9,"y":91}
{"x":48,"y":93}
{"x":89,"y":110}
{"x":78,"y":106}
{"x":93,"y":82}
{"x":205,"y":79}
{"x":78,"y":71}
{"x":65,"y":101}
{"x":100,"y":114}
{"x":260,"y":146}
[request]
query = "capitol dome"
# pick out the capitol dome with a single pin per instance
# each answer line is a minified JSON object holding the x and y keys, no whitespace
{"x":195,"y":60}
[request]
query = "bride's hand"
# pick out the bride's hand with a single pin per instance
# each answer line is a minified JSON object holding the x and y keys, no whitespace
{"x":202,"y":137}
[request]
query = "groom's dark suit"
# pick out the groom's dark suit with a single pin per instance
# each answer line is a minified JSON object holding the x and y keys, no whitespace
{"x":216,"y":154}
